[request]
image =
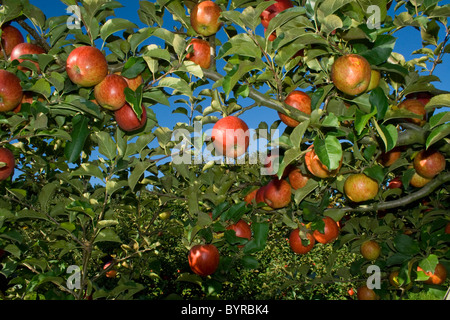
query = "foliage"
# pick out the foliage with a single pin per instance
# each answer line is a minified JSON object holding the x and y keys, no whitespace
{"x":85,"y":192}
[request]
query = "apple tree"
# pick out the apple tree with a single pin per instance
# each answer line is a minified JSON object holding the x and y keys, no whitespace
{"x":355,"y":160}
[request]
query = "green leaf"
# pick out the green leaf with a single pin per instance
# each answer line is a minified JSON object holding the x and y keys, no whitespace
{"x":329,"y":151}
{"x":381,"y":50}
{"x":106,"y":145}
{"x":429,"y":263}
{"x":260,"y":233}
{"x":438,"y":119}
{"x":134,"y":99}
{"x":361,"y":120}
{"x":42,"y":87}
{"x":107,"y":234}
{"x":80,"y":132}
{"x":301,"y":193}
{"x":137,"y":173}
{"x":406,"y":245}
{"x":379,"y":101}
{"x":177,"y":84}
{"x":297,"y":134}
{"x":114,"y":25}
{"x":133,"y":67}
{"x":249,"y":262}
{"x":438,"y":134}
{"x":388,"y":134}
{"x":46,"y":194}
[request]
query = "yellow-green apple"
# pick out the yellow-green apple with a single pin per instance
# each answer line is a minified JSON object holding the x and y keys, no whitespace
{"x":127,"y":119}
{"x":10,"y":91}
{"x":429,"y":163}
{"x":201,"y":53}
{"x":109,"y":93}
{"x":86,"y":66}
{"x":297,"y":179}
{"x":273,"y":10}
{"x":230,"y":136}
{"x":330,"y":231}
{"x":7,"y":163}
{"x":417,"y":107}
{"x":277,"y":193}
{"x":418,"y":181}
{"x":299,"y":245}
{"x":205,"y":18}
{"x":316,"y":167}
{"x":375,"y":77}
{"x":11,"y":37}
{"x":358,"y":187}
{"x":26,"y":48}
{"x":299,"y":100}
{"x":351,"y":74}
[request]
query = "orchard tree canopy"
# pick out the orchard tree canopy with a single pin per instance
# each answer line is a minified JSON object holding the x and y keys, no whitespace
{"x":345,"y":171}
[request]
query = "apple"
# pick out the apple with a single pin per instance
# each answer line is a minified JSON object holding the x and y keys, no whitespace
{"x":26,"y":48}
{"x":388,"y":158}
{"x":429,"y":163}
{"x":6,"y":158}
{"x":364,"y":293}
{"x":204,"y":259}
{"x":417,"y":107}
{"x":330,"y":231}
{"x":351,"y":74}
{"x":259,"y":197}
{"x":110,"y":273}
{"x":395,"y":183}
{"x":297,"y":179}
{"x":28,"y":97}
{"x":10,"y":91}
{"x":437,"y":277}
{"x":359,"y":188}
{"x":250,"y":196}
{"x":205,"y":18}
{"x":447,"y":228}
{"x":277,"y":193}
{"x":127,"y":120}
{"x":201,"y":53}
{"x":133,"y":83}
{"x":242,"y":230}
{"x":299,"y":100}
{"x":109,"y":93}
{"x":230,"y":136}
{"x":273,"y":10}
{"x":86,"y":66}
{"x":422,"y":96}
{"x":316,"y":167}
{"x":297,"y":243}
{"x":375,"y":77}
{"x":418,"y":181}
{"x":370,"y":250}
{"x":11,"y":37}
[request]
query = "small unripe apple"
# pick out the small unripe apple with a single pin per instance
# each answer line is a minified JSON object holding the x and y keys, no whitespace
{"x":370,"y":250}
{"x":375,"y":77}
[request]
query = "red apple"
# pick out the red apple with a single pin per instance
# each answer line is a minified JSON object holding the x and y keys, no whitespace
{"x":423,"y":97}
{"x":109,"y":93}
{"x":10,"y":91}
{"x":388,"y":158}
{"x":316,"y":167}
{"x":415,"y":106}
{"x":298,"y":100}
{"x":230,"y":136}
{"x":296,"y":243}
{"x":204,"y":259}
{"x":359,"y":188}
{"x":201,"y":53}
{"x":7,"y":158}
{"x":273,"y":10}
{"x":127,"y":120}
{"x":11,"y":37}
{"x":242,"y":230}
{"x":26,"y":48}
{"x":395,"y":183}
{"x":351,"y":74}
{"x":111,"y":273}
{"x":250,"y":196}
{"x":205,"y":18}
{"x":133,"y":83}
{"x":277,"y":193}
{"x":330,"y":231}
{"x":429,"y":163}
{"x":297,"y":179}
{"x":86,"y":66}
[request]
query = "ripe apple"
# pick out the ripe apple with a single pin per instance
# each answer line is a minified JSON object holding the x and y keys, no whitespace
{"x":260,"y":198}
{"x":359,"y":187}
{"x":417,"y":107}
{"x":127,"y":120}
{"x":109,"y":93}
{"x":273,"y":10}
{"x":395,"y":183}
{"x":437,"y":277}
{"x":277,"y":193}
{"x":447,"y":228}
{"x":10,"y":91}
{"x":375,"y":77}
{"x":429,"y":163}
{"x":423,"y":97}
{"x":133,"y":83}
{"x":28,"y":97}
{"x":316,"y":167}
{"x":364,"y":293}
{"x":370,"y":250}
{"x":110,"y":273}
{"x":242,"y":230}
{"x":11,"y":37}
{"x":204,"y":259}
{"x":388,"y":158}
{"x":26,"y":48}
{"x":297,"y":179}
{"x":296,"y":242}
{"x":201,"y":53}
{"x":330,"y":231}
{"x":205,"y":18}
{"x":250,"y":196}
{"x":6,"y":157}
{"x":351,"y":74}
{"x":298,"y":100}
{"x":418,"y":181}
{"x":86,"y":66}
{"x":230,"y":136}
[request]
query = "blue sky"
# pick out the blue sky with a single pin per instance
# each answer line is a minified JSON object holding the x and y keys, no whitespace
{"x":408,"y":40}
